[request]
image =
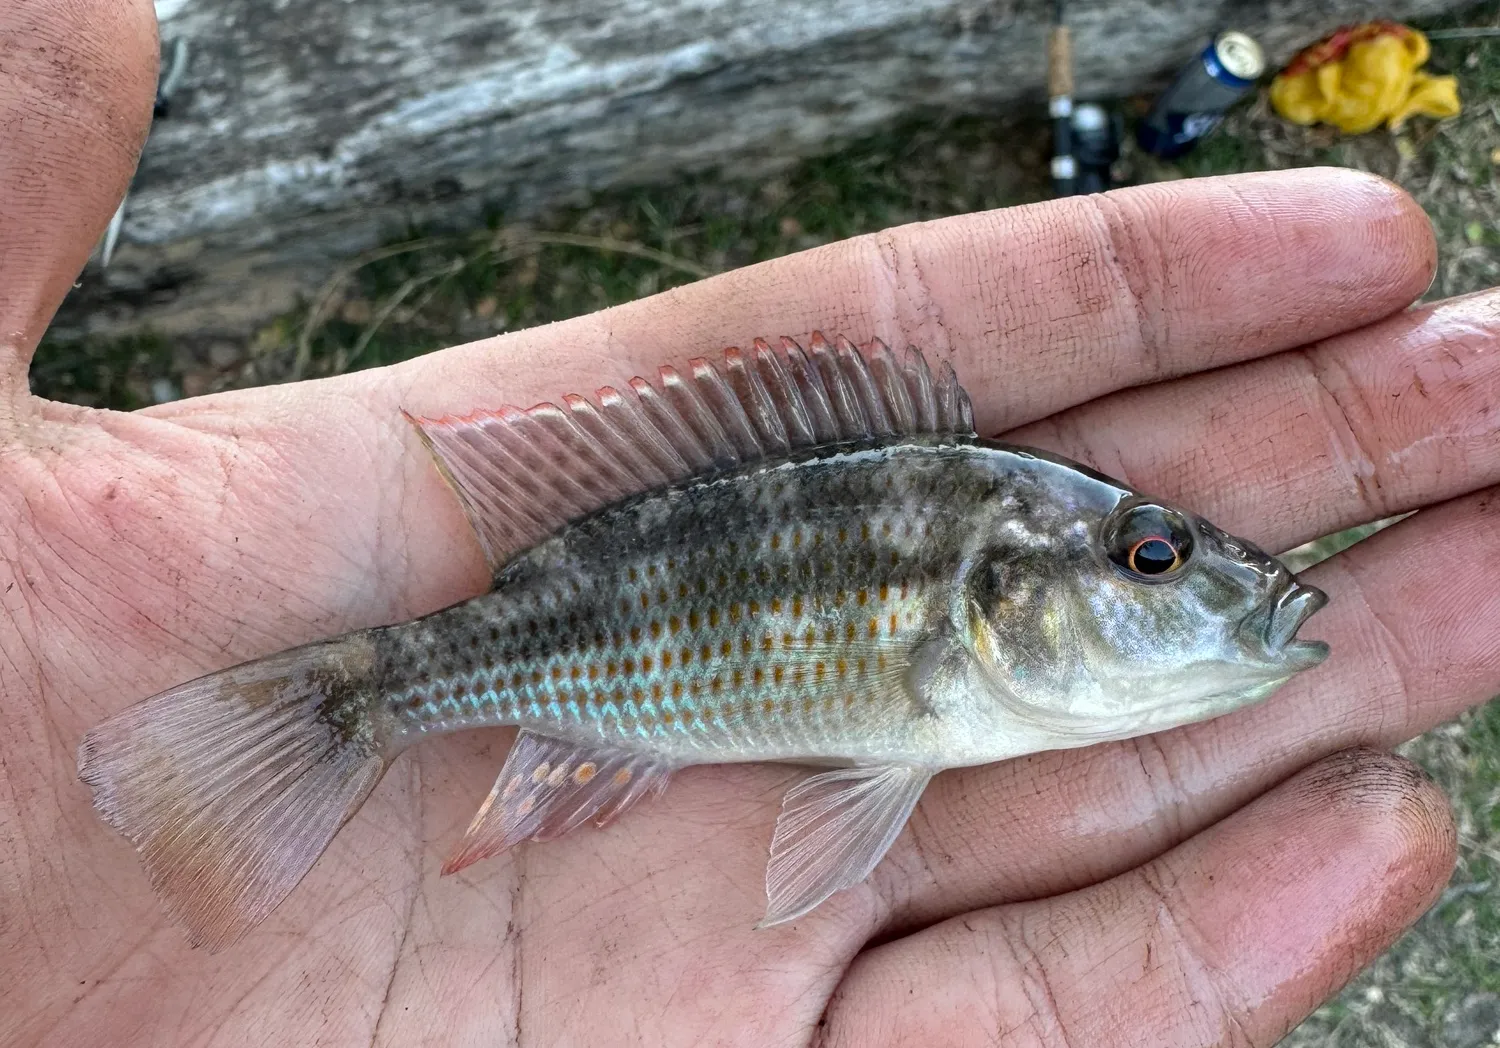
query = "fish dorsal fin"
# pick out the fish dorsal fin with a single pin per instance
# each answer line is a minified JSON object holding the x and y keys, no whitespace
{"x":521,"y":474}
{"x":548,"y":787}
{"x":833,"y":830}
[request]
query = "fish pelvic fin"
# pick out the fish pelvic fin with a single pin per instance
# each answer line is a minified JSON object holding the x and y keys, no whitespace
{"x":549,"y":787}
{"x":833,"y":830}
{"x":522,"y":474}
{"x":230,"y":786}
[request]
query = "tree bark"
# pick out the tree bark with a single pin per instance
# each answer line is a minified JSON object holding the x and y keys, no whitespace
{"x":306,"y":131}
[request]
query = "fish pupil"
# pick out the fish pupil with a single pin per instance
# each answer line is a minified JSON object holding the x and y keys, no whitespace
{"x":1153,"y":557}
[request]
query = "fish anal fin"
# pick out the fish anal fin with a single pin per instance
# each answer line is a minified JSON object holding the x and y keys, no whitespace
{"x":549,"y":787}
{"x":833,"y":829}
{"x":521,"y":475}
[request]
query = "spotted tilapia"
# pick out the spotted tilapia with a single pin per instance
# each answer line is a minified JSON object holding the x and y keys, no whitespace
{"x":791,"y":556}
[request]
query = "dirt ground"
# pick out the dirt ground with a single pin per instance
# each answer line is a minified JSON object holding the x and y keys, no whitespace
{"x":1438,"y":987}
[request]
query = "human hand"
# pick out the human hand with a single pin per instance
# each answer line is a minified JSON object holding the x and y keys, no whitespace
{"x":1232,"y":344}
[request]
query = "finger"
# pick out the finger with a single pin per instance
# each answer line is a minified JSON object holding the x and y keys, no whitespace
{"x":1412,"y":624}
{"x":1364,"y":425}
{"x":1230,"y":939}
{"x":75,"y":103}
{"x":1041,"y":306}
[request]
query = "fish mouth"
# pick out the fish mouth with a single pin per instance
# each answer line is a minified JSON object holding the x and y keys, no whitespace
{"x":1293,"y":607}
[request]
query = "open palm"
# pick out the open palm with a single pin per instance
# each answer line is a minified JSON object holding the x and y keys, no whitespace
{"x":1239,"y":345}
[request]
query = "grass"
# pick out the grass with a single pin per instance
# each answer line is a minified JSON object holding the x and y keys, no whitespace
{"x":1438,"y":987}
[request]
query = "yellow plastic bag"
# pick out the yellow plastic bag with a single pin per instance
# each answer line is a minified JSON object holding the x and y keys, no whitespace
{"x":1361,"y":77}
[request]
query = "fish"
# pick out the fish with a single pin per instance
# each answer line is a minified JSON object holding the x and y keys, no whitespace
{"x":805,"y":556}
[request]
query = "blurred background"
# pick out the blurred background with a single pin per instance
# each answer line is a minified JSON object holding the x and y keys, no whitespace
{"x":332,"y":186}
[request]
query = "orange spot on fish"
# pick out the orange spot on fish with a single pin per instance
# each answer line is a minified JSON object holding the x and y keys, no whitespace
{"x":646,"y":663}
{"x":667,"y":718}
{"x":713,"y":618}
{"x":527,"y":803}
{"x":768,"y":707}
{"x":666,"y":658}
{"x":510,"y":788}
{"x":776,"y":606}
{"x":706,"y":652}
{"x":874,"y":629}
{"x":635,"y":634}
{"x":726,"y":648}
{"x":739,"y":678}
{"x":655,"y":630}
{"x":885,"y":591}
{"x":536,"y":676}
{"x":818,"y":671}
{"x":674,"y":624}
{"x":645,"y":600}
{"x":694,"y":621}
{"x":758,"y":675}
{"x":540,"y":771}
{"x":842,"y":667}
{"x":628,"y":667}
{"x":778,"y":672}
{"x":894,"y":624}
{"x":677,"y":689}
{"x":656,"y":692}
{"x":622,"y":776}
{"x":776,"y":541}
{"x":796,"y":607}
{"x":559,"y":773}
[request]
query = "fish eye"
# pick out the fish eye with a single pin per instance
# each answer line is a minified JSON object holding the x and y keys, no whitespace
{"x":1148,"y":543}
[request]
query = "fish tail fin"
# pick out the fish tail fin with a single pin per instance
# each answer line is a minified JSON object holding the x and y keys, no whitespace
{"x":232,"y":785}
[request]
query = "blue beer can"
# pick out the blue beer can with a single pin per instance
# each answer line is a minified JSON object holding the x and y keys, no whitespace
{"x":1201,"y":94}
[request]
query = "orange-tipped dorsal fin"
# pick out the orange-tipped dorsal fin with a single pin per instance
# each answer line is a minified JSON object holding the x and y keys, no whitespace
{"x":521,"y":474}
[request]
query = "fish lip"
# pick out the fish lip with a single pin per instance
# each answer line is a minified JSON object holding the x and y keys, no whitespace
{"x":1293,"y":607}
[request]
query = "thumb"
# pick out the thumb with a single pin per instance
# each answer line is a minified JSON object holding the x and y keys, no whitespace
{"x":77,"y":79}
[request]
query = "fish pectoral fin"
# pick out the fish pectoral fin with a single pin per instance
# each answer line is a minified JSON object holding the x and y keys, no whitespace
{"x":548,"y":787}
{"x":520,"y":475}
{"x":833,"y":829}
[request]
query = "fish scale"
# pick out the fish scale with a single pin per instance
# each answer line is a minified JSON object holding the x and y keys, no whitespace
{"x":809,"y":556}
{"x":753,"y":639}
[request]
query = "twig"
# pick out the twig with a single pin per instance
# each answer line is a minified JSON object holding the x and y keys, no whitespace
{"x":389,"y":306}
{"x":328,"y":294}
{"x":619,"y":247}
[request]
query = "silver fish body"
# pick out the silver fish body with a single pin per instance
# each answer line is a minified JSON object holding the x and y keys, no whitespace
{"x":803,"y":609}
{"x":814,"y":561}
